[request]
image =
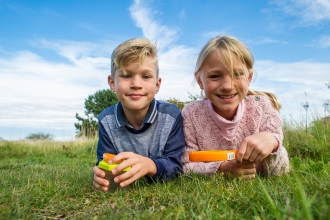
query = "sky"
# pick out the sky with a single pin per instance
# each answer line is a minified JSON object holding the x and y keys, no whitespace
{"x":53,"y":54}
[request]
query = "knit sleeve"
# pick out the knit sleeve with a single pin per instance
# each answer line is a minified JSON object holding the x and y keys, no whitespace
{"x":277,"y":163}
{"x":191,"y":144}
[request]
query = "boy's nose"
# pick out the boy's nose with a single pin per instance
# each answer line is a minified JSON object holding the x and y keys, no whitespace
{"x":136,"y":82}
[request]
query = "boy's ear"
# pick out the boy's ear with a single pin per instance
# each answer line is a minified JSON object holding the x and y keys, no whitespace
{"x":198,"y":79}
{"x":111,"y":82}
{"x":158,"y":83}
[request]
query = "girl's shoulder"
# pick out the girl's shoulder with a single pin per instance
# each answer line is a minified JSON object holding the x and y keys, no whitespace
{"x":257,"y":100}
{"x":195,"y":105}
{"x":259,"y":103}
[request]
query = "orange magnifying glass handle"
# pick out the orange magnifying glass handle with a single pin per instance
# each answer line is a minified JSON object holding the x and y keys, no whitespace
{"x":212,"y":155}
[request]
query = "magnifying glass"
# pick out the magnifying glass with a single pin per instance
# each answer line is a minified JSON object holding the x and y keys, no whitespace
{"x":212,"y":155}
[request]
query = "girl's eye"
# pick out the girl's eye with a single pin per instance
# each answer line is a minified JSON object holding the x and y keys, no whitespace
{"x":238,"y":74}
{"x":214,"y":76}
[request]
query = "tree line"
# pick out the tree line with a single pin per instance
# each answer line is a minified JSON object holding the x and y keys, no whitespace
{"x":87,"y":126}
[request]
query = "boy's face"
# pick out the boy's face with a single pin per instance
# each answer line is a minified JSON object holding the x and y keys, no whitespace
{"x":137,"y":87}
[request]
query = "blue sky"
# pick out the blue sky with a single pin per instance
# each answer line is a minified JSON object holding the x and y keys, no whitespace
{"x":53,"y":54}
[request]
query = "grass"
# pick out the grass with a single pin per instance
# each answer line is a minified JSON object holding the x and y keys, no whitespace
{"x":53,"y":180}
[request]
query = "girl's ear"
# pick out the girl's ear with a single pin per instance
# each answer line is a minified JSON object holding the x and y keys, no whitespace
{"x":250,"y":76}
{"x":199,"y":81}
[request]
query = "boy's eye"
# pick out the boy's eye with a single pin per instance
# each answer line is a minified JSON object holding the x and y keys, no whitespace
{"x":126,"y":76}
{"x":146,"y":77}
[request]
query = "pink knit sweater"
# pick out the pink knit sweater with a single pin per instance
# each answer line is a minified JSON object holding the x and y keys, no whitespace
{"x":202,"y":133}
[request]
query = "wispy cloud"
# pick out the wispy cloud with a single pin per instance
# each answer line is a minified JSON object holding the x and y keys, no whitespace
{"x":290,"y":81}
{"x":309,"y":12}
{"x":37,"y":93}
{"x":324,"y":41}
{"x":143,"y":16}
{"x":267,"y":40}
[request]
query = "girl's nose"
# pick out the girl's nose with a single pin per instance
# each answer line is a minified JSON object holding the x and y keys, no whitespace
{"x":226,"y":83}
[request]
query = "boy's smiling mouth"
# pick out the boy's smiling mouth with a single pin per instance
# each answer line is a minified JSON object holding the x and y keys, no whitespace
{"x":135,"y":96}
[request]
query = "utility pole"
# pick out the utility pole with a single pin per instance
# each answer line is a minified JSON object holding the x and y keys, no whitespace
{"x":306,"y":106}
{"x":326,"y":104}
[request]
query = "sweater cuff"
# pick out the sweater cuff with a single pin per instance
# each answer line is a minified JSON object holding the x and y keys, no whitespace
{"x":161,"y":170}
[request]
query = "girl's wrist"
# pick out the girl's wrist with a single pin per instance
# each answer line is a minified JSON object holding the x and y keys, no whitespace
{"x":222,"y":167}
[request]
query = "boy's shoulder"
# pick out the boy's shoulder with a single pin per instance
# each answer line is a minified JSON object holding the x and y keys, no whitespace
{"x":108,"y":111}
{"x":168,"y":108}
{"x":162,"y":107}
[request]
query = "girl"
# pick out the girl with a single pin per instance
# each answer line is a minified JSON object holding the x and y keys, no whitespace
{"x":232,"y":116}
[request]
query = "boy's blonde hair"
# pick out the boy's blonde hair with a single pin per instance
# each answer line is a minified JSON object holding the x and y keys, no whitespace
{"x":227,"y":47}
{"x":133,"y":50}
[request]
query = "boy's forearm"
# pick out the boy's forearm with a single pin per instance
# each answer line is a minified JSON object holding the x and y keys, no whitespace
{"x":166,"y":169}
{"x":152,"y":168}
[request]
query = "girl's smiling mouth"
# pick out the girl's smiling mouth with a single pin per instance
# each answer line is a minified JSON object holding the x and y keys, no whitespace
{"x":227,"y":96}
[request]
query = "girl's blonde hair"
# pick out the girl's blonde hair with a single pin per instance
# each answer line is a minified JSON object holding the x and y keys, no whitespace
{"x":133,"y":50}
{"x":228,"y":47}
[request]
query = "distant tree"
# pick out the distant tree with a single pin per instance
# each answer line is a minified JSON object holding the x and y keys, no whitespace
{"x":94,"y":105}
{"x":176,"y":102}
{"x":195,"y":97}
{"x":40,"y":136}
{"x":1,"y":139}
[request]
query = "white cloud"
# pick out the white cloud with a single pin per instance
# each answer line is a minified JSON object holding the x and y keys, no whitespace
{"x":290,"y":81}
{"x":311,"y":12}
{"x":324,"y":42}
{"x":144,"y":19}
{"x":267,"y":40}
{"x":36,"y":93}
{"x":177,"y":71}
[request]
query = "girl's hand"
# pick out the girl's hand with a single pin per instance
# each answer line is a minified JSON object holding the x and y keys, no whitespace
{"x":99,"y":182}
{"x":140,"y":166}
{"x":244,"y":170}
{"x":256,"y":147}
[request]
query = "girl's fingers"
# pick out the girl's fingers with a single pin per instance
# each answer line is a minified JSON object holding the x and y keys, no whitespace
{"x":253,"y":156}
{"x":249,"y":176}
{"x":241,"y":151}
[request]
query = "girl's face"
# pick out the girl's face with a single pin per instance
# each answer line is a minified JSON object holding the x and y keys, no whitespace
{"x":221,"y":88}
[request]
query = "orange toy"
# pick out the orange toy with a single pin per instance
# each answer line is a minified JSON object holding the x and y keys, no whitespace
{"x":212,"y":155}
{"x":107,"y":157}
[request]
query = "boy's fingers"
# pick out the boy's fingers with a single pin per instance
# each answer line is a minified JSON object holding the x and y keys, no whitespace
{"x":130,"y":180}
{"x":100,"y":181}
{"x":98,"y":172}
{"x":99,"y":187}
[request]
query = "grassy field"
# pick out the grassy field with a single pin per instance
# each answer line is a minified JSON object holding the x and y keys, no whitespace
{"x":53,"y":180}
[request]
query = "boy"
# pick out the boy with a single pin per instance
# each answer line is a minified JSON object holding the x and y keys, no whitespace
{"x":146,"y":133}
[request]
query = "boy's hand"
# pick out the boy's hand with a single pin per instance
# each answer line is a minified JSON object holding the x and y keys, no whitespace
{"x":245,"y":170}
{"x":140,"y":166}
{"x":99,"y":182}
{"x":256,"y":147}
